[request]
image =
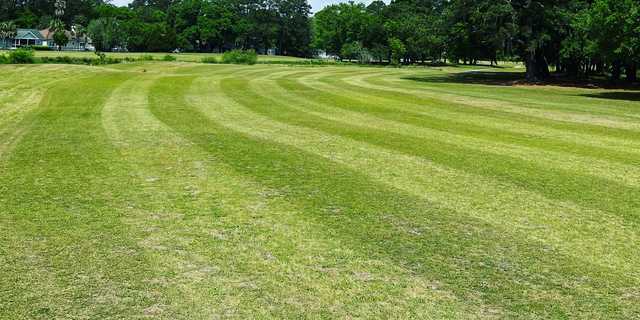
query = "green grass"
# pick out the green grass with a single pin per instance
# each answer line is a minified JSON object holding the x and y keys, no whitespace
{"x":165,"y":190}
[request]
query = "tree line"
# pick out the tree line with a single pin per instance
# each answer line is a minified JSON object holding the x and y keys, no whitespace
{"x":575,"y":37}
{"x":188,"y":25}
{"x":579,"y":38}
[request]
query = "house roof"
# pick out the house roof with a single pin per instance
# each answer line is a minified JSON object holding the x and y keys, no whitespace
{"x":47,"y":34}
{"x":32,"y":34}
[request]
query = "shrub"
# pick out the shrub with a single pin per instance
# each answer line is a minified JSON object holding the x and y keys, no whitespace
{"x":309,"y":62}
{"x":380,"y":53}
{"x":113,"y":60}
{"x":21,"y":56}
{"x":59,"y":60}
{"x":240,"y":57}
{"x":105,"y":60}
{"x":351,"y":50}
{"x":169,"y":58}
{"x":100,"y":60}
{"x":397,"y":51}
{"x":145,"y":57}
{"x":210,"y":59}
{"x":64,"y":59}
{"x":61,"y":39}
{"x":3,"y":59}
{"x":46,"y":60}
{"x":41,"y":48}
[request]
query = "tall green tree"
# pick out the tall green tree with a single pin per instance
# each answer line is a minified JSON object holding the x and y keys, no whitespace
{"x":293,"y":27}
{"x":614,"y":27}
{"x":533,"y":35}
{"x":106,"y":33}
{"x":338,"y":25}
{"x":7,"y":31}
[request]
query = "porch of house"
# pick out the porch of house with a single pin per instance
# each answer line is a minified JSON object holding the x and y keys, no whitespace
{"x":17,"y":43}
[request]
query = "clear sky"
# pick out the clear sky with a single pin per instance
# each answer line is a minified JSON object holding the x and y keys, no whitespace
{"x":315,"y":4}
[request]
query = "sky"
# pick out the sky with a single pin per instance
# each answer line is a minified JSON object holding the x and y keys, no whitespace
{"x":316,"y":5}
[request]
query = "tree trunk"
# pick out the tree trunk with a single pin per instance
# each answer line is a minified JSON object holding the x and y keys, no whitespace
{"x":537,"y":67}
{"x":615,"y":71}
{"x":530,"y":65}
{"x":631,"y":70}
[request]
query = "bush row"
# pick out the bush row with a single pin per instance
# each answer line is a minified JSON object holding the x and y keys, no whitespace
{"x":240,"y":57}
{"x":40,"y":48}
{"x":78,"y":60}
{"x":210,"y":59}
{"x":312,"y":62}
{"x":234,"y":57}
{"x":26,"y":56}
{"x":20,"y":56}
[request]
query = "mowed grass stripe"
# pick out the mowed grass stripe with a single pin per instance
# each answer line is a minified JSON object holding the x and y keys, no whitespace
{"x":411,"y":111}
{"x":66,"y":250}
{"x":589,"y":124}
{"x":344,"y":199}
{"x":18,"y":96}
{"x":466,"y":112}
{"x":626,"y":174}
{"x":178,"y":213}
{"x":569,"y":168}
{"x":438,"y":107}
{"x":554,"y":183}
{"x":180,"y":190}
{"x":247,"y":247}
{"x":559,"y":101}
{"x":401,"y":84}
{"x":224,"y":266}
{"x":611,"y":244}
{"x":581,"y":113}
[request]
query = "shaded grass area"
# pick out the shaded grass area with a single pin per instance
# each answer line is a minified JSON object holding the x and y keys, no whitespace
{"x":512,"y":78}
{"x":619,"y":95}
{"x":476,"y":77}
{"x":168,"y":190}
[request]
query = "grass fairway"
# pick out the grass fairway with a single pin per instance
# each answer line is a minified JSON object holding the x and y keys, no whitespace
{"x":180,"y":190}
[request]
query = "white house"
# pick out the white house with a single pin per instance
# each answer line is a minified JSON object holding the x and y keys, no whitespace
{"x":33,"y":37}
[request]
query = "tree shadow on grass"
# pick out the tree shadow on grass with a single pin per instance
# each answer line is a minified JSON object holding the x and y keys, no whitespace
{"x":616,"y":95}
{"x":518,"y":79}
{"x":474,"y":77}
